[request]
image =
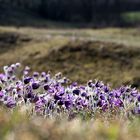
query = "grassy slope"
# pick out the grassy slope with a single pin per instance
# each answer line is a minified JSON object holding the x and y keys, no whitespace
{"x":111,"y":55}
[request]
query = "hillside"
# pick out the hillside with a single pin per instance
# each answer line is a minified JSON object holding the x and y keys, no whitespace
{"x":79,"y":54}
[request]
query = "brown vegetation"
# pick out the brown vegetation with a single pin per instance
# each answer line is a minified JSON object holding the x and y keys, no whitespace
{"x":78,"y":59}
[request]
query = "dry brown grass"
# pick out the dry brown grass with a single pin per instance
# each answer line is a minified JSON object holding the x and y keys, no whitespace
{"x":16,"y":126}
{"x":111,"y":55}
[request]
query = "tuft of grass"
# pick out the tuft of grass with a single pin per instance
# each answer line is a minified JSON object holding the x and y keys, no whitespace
{"x":17,"y":126}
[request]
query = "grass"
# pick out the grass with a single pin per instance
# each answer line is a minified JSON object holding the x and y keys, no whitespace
{"x":127,"y":36}
{"x":51,"y":50}
{"x":17,"y":125}
{"x":111,"y":55}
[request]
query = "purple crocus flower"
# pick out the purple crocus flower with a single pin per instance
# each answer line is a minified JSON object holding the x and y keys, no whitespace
{"x":35,"y":85}
{"x":106,"y":89}
{"x":90,"y":83}
{"x":43,"y":74}
{"x":76,"y":91}
{"x":27,"y":80}
{"x":1,"y":94}
{"x":10,"y":103}
{"x":134,"y":93}
{"x":46,"y":87}
{"x":18,"y":65}
{"x":2,"y":76}
{"x":74,"y":84}
{"x":57,"y":97}
{"x":102,"y":97}
{"x":35,"y":74}
{"x":68,"y":103}
{"x":60,"y":102}
{"x":138,"y":98}
{"x":39,"y":106}
{"x":84,"y":94}
{"x":34,"y":99}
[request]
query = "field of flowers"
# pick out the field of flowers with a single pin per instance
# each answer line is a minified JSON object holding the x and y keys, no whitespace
{"x":50,"y":96}
{"x":37,"y":96}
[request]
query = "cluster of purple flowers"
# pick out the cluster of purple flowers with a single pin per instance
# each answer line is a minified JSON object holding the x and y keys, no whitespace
{"x":52,"y":95}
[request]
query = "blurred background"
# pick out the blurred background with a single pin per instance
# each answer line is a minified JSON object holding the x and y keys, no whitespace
{"x":84,"y":39}
{"x":92,"y":13}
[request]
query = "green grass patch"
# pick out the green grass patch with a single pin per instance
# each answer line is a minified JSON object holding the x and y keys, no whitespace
{"x":132,"y":17}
